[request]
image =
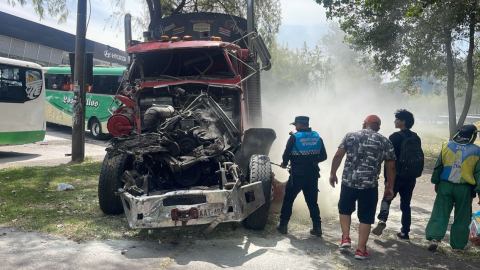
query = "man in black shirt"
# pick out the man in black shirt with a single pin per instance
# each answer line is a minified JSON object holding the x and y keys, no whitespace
{"x":304,"y":150}
{"x":404,"y":121}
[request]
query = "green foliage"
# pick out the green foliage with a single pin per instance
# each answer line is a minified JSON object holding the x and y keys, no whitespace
{"x":267,"y":12}
{"x":403,"y":36}
{"x":53,"y":8}
{"x":297,"y":71}
{"x":415,"y":39}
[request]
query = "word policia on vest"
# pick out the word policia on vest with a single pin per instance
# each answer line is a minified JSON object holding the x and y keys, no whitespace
{"x":306,"y":143}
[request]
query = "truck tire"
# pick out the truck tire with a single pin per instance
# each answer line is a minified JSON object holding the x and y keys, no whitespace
{"x":109,"y":182}
{"x":260,"y":170}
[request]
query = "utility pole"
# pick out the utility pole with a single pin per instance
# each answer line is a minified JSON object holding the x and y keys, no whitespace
{"x":78,"y":117}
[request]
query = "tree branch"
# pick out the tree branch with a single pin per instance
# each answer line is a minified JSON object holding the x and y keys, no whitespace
{"x":179,"y":7}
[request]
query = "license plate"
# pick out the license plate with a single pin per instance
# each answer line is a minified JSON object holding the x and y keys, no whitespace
{"x":210,"y":210}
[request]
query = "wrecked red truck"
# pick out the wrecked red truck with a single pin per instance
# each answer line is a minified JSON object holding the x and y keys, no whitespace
{"x":188,"y":145}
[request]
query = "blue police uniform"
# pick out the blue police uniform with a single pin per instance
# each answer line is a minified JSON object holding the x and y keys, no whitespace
{"x":304,"y":150}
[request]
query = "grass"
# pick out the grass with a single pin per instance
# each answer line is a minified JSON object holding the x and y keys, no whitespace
{"x":432,"y":138}
{"x":30,"y":202}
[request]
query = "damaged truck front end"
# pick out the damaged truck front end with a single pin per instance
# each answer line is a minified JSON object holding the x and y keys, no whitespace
{"x":188,"y":146}
{"x":183,"y":172}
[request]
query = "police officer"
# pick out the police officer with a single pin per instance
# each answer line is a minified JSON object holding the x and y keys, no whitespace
{"x":305,"y":149}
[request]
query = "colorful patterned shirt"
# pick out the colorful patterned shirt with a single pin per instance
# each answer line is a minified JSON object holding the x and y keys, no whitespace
{"x":366,"y":150}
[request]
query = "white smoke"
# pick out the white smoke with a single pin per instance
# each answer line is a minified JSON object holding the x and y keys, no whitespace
{"x":332,"y":115}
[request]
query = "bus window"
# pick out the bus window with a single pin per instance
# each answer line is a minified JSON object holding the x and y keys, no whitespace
{"x":34,"y":84}
{"x":57,"y":81}
{"x":11,"y":87}
{"x":106,"y":84}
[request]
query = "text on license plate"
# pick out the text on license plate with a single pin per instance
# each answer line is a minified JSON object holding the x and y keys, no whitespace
{"x":210,"y":210}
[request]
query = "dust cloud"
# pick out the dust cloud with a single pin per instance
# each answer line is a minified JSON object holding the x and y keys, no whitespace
{"x":332,"y":114}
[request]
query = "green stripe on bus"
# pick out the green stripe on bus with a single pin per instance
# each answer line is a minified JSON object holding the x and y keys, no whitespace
{"x":96,"y":106}
{"x":21,"y":137}
{"x":96,"y":70}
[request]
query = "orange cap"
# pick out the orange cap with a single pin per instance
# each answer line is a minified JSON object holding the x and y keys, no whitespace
{"x":373,"y":119}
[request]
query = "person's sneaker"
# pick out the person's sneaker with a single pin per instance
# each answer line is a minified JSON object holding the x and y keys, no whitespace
{"x":403,"y":236}
{"x":346,"y":242}
{"x":282,"y":228}
{"x":433,"y":245}
{"x":362,"y":255}
{"x":380,"y":227}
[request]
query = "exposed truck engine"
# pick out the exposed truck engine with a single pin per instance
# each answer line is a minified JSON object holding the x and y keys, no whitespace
{"x":188,"y":148}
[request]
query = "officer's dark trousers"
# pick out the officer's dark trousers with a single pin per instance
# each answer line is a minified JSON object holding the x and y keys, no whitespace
{"x":405,"y":189}
{"x":308,"y":183}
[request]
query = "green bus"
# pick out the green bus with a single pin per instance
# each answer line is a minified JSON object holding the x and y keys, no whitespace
{"x":59,"y":97}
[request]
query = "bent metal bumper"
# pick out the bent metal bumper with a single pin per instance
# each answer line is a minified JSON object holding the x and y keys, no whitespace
{"x":191,"y":207}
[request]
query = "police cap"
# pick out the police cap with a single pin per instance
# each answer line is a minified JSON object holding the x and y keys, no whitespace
{"x":301,"y":120}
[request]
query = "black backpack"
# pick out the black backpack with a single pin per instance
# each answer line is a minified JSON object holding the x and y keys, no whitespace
{"x":411,"y":160}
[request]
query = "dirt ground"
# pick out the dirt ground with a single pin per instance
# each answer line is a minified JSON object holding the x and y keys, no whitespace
{"x":296,"y":250}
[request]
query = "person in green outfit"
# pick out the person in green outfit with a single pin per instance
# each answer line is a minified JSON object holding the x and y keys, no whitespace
{"x":457,"y":169}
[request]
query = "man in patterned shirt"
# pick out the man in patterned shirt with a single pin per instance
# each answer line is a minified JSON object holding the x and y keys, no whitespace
{"x":366,"y":150}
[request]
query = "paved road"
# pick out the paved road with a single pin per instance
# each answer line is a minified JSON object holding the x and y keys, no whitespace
{"x":55,"y":149}
{"x":297,"y":250}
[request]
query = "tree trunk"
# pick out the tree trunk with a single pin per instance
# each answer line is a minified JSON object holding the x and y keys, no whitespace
{"x":158,"y":10}
{"x":151,"y":11}
{"x":470,"y":72}
{"x":452,"y":115}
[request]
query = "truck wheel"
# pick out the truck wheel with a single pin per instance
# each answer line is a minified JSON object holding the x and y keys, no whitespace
{"x":109,"y":182}
{"x":260,"y":170}
{"x":96,"y":129}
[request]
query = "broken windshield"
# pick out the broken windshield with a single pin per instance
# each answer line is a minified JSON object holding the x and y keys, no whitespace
{"x":186,"y":64}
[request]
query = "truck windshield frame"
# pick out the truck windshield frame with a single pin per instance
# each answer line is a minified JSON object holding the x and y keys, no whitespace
{"x":182,"y":65}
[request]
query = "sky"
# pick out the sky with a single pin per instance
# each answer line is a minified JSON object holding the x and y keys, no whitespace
{"x":302,"y":21}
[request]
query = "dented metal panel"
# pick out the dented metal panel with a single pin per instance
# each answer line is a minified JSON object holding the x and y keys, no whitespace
{"x":150,"y":212}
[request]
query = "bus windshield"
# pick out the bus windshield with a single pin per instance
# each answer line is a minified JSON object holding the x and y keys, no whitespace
{"x":19,"y":84}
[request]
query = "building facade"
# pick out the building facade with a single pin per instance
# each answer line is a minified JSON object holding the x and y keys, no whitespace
{"x":26,"y":40}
